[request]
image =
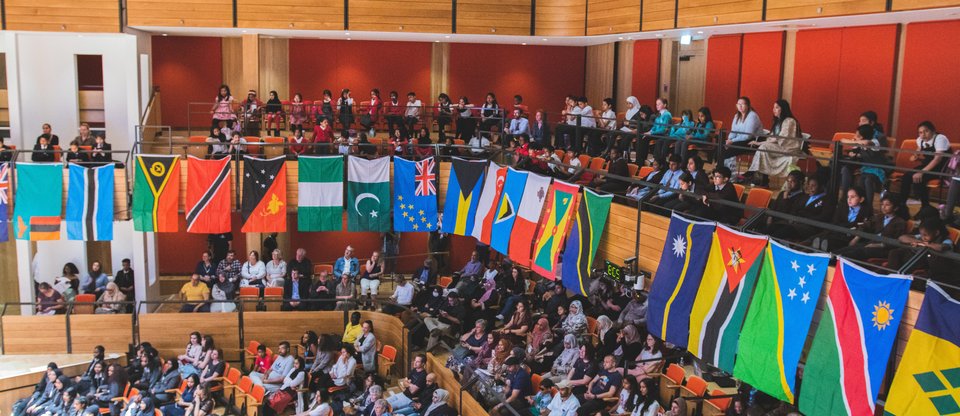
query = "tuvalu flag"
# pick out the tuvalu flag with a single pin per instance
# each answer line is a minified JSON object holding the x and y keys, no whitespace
{"x":90,"y":203}
{"x":506,"y":213}
{"x":208,"y":195}
{"x":528,"y":215}
{"x":584,"y":239}
{"x":415,"y":190}
{"x":928,"y":376}
{"x":851,"y":349}
{"x":779,"y":319}
{"x":156,"y":193}
{"x":39,"y":200}
{"x":486,"y":211}
{"x":463,"y":195}
{"x":678,"y":277}
{"x":264,"y":201}
{"x":563,"y":199}
{"x":723,"y":296}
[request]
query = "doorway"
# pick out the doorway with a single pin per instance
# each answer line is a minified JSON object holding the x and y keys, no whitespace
{"x":691,"y":72}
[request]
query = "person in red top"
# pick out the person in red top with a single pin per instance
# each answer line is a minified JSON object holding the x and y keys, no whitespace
{"x":423,"y":149}
{"x":394,"y":112}
{"x":298,"y":143}
{"x":374,"y":109}
{"x":323,"y":136}
{"x":398,"y":142}
{"x":262,"y":362}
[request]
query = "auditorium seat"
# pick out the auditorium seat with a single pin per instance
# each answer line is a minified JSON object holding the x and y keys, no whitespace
{"x":670,"y":382}
{"x":319,"y":268}
{"x":758,"y":199}
{"x":386,"y":359}
{"x":253,"y":401}
{"x":718,"y":406}
{"x":644,"y":171}
{"x":277,"y":148}
{"x":597,"y":163}
{"x":740,"y":190}
{"x":633,"y":168}
{"x":274,"y":295}
{"x":87,"y":298}
{"x":584,"y":160}
{"x":238,"y":392}
{"x":695,"y":387}
{"x":56,"y":153}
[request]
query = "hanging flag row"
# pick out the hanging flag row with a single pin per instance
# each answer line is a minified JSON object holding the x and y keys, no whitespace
{"x":746,"y":305}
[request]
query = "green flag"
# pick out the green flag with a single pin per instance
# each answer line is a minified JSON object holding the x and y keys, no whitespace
{"x":320,"y":193}
{"x":38,"y":201}
{"x":368,"y":194}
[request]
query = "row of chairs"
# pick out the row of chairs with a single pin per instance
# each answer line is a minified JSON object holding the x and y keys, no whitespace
{"x":675,"y":383}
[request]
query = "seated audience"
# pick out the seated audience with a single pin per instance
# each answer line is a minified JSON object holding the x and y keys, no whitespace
{"x":280,"y":368}
{"x":888,"y":223}
{"x":49,"y":301}
{"x":817,"y":207}
{"x":276,"y":270}
{"x":937,"y":148}
{"x":370,"y":274}
{"x":253,"y":272}
{"x":75,"y":155}
{"x":179,"y":407}
{"x":295,"y":291}
{"x":43,"y":151}
{"x":932,"y":236}
{"x":194,"y":296}
{"x":110,"y":300}
{"x":778,"y":153}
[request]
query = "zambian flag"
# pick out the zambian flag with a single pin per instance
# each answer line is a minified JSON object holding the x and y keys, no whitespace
{"x":156,"y":193}
{"x":584,"y":239}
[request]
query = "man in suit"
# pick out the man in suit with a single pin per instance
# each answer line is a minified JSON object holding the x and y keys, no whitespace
{"x":101,"y":150}
{"x":618,"y":167}
{"x":295,"y":290}
{"x":722,"y":189}
{"x":170,"y":380}
{"x":42,"y":152}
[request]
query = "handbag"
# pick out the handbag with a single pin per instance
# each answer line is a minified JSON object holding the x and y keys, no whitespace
{"x":366,"y":120}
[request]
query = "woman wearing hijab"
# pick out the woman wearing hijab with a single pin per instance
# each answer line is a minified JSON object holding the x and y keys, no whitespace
{"x":628,"y":130}
{"x":540,"y":346}
{"x":278,"y":400}
{"x":576,"y":321}
{"x":566,"y":359}
{"x":109,"y":298}
{"x":607,"y":336}
{"x":629,"y":344}
{"x":439,"y":406}
{"x":224,"y":290}
{"x":481,"y":307}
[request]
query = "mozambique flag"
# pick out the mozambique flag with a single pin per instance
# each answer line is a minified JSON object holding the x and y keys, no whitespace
{"x":928,"y":376}
{"x":584,"y":239}
{"x":156,"y":190}
{"x":723,"y":296}
{"x":779,"y":318}
{"x":208,"y":195}
{"x":463,"y":196}
{"x":264,"y":202}
{"x":678,"y":277}
{"x":851,"y":349}
{"x":487,"y":209}
{"x":39,"y":200}
{"x":90,"y":203}
{"x":562,"y":202}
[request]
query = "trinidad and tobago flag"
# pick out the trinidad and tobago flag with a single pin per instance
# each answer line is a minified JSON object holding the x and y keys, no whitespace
{"x":264,"y":195}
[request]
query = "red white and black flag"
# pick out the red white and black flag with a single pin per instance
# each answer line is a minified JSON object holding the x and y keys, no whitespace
{"x":208,"y":196}
{"x":263,"y":207}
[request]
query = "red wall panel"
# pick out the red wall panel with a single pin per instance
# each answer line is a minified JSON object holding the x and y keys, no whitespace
{"x":187,"y":69}
{"x":723,"y":77}
{"x":761,"y":71}
{"x":178,"y":253}
{"x":816,"y":76}
{"x":867,"y":60}
{"x":930,"y":83}
{"x":543,"y":75}
{"x":646,"y":71}
{"x":318,"y":64}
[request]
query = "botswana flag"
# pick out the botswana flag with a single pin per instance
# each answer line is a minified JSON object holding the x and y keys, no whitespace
{"x":90,"y":203}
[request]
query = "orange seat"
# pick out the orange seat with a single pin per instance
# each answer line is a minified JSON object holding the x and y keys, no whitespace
{"x":566,"y":158}
{"x":584,"y":160}
{"x":249,"y":292}
{"x":254,"y":399}
{"x":445,"y":281}
{"x":240,"y":391}
{"x":597,"y":163}
{"x":644,"y":171}
{"x":695,"y":387}
{"x":633,"y":168}
{"x":273,"y":291}
{"x":670,"y":382}
{"x":56,"y":153}
{"x":716,"y":406}
{"x":318,"y":268}
{"x":535,"y":380}
{"x":739,"y":189}
{"x":89,"y":306}
{"x":954,"y":235}
{"x":197,"y":139}
{"x":274,"y":294}
{"x":387,"y":358}
{"x":560,"y":153}
{"x":757,"y":199}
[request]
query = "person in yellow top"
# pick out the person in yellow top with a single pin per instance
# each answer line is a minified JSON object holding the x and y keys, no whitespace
{"x":353,"y":329}
{"x":194,"y":294}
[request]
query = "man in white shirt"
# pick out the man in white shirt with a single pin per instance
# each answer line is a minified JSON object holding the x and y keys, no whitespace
{"x":563,"y":404}
{"x":278,"y":370}
{"x":478,"y":144}
{"x":412,"y":115}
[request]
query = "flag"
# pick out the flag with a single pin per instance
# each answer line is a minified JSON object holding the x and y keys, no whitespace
{"x":4,"y":200}
{"x":208,"y":195}
{"x":320,"y":193}
{"x":463,"y":196}
{"x":415,"y":186}
{"x":39,"y":201}
{"x":778,"y":320}
{"x":678,"y":277}
{"x":723,"y":296}
{"x":561,"y":205}
{"x":528,"y":215}
{"x":264,"y":201}
{"x":492,"y":187}
{"x":506,"y":212}
{"x":368,"y":194}
{"x":584,"y":239}
{"x":156,"y":193}
{"x":852,"y":344}
{"x":90,"y":203}
{"x":928,"y":376}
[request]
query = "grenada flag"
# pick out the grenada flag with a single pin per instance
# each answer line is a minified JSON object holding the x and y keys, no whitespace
{"x":561,"y":205}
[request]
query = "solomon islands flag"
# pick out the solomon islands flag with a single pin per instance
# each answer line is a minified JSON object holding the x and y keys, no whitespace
{"x":90,"y":203}
{"x":584,"y":239}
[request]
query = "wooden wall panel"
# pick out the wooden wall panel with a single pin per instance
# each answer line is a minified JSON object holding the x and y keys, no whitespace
{"x":923,"y":4}
{"x":177,"y":13}
{"x":169,"y":332}
{"x":274,"y":67}
{"x":35,"y":334}
{"x":798,"y":9}
{"x":561,"y":17}
{"x":612,"y":16}
{"x":446,"y":380}
{"x":658,"y":14}
{"x":599,"y":73}
{"x":431,"y":16}
{"x":114,"y":332}
{"x":619,"y":239}
{"x":231,"y":50}
{"x":694,"y":13}
{"x":63,"y":15}
{"x":291,"y":14}
{"x":494,"y":17}
{"x":270,"y":328}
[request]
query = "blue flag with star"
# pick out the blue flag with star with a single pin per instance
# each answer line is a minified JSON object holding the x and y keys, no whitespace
{"x":415,"y":189}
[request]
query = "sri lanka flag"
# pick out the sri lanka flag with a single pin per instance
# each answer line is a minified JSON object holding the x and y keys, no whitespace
{"x":851,"y":349}
{"x":90,"y":203}
{"x":463,"y":195}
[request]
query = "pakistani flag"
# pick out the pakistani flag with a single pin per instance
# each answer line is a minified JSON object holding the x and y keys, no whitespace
{"x":368,"y":194}
{"x":320,"y":193}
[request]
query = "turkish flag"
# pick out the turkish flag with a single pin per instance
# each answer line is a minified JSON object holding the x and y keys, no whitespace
{"x":264,"y":202}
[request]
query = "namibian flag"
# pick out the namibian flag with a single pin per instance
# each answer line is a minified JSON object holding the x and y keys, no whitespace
{"x":851,"y":349}
{"x":563,"y":199}
{"x":264,"y":202}
{"x":90,"y":203}
{"x":156,"y":193}
{"x":678,"y":277}
{"x":929,"y":372}
{"x":463,"y":196}
{"x":38,"y":201}
{"x":584,"y":239}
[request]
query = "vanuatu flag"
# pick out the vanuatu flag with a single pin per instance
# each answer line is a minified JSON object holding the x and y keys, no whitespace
{"x":486,"y":211}
{"x":156,"y":193}
{"x":90,"y":203}
{"x":561,"y":205}
{"x":415,"y":190}
{"x":584,"y":239}
{"x":264,"y":203}
{"x":779,"y":318}
{"x":463,"y":195}
{"x":852,"y":345}
{"x":678,"y":277}
{"x":208,"y":195}
{"x":506,"y":213}
{"x":723,"y":296}
{"x":928,"y":376}
{"x":39,"y":200}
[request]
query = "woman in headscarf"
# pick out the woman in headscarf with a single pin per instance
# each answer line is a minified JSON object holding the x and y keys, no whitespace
{"x":439,"y":406}
{"x":486,"y":385}
{"x":109,"y":298}
{"x":629,"y":344}
{"x":607,"y":336}
{"x":576,"y":321}
{"x":223,"y":290}
{"x":482,"y":358}
{"x":566,"y":359}
{"x":628,"y":130}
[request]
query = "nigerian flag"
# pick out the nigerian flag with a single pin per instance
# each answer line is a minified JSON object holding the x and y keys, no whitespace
{"x":368,"y":194}
{"x":320,"y":193}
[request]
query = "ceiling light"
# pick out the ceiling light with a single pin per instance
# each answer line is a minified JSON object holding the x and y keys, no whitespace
{"x":685,"y":39}
{"x":621,"y":38}
{"x":544,"y":39}
{"x":699,"y":32}
{"x":243,"y":31}
{"x":165,"y":34}
{"x":524,"y":43}
{"x":659,"y":35}
{"x":437,"y":41}
{"x":348,"y":33}
{"x":448,"y":36}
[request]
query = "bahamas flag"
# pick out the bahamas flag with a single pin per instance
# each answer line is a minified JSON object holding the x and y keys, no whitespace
{"x":506,"y":212}
{"x":778,"y":320}
{"x":584,"y":239}
{"x":928,"y":376}
{"x":39,"y":200}
{"x":90,"y":203}
{"x":678,"y":277}
{"x":463,"y":196}
{"x":561,"y":205}
{"x":415,"y":187}
{"x":723,"y":296}
{"x":851,"y":348}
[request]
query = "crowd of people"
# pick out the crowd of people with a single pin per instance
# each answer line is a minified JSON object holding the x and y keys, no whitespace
{"x":109,"y":292}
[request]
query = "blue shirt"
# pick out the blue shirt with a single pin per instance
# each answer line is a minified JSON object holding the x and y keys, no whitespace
{"x":662,"y":123}
{"x":814,"y":198}
{"x":341,"y":267}
{"x":519,"y":125}
{"x":670,"y":179}
{"x":681,"y":130}
{"x":521,"y":381}
{"x":295,"y":289}
{"x":852,"y":214}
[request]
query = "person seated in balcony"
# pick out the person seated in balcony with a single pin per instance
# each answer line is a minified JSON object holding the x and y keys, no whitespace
{"x":323,"y":289}
{"x":348,"y":265}
{"x":603,"y":386}
{"x":415,"y":381}
{"x":849,"y":215}
{"x":101,"y":152}
{"x":110,"y":300}
{"x":890,"y":222}
{"x":203,"y":403}
{"x":43,"y":151}
{"x":178,"y":407}
{"x":194,"y":295}
{"x":791,"y":198}
{"x":684,"y":202}
{"x":744,"y":129}
{"x":252,"y":111}
{"x":218,"y":142}
{"x":618,"y":167}
{"x":282,"y":365}
{"x":660,"y":127}
{"x":276,"y":269}
{"x":370,"y":274}
{"x":659,"y":169}
{"x":75,"y":155}
{"x":322,"y":137}
{"x":278,"y":400}
{"x":49,"y":301}
{"x":448,"y":323}
{"x":364,"y":147}
{"x":299,"y":145}
{"x":273,"y":113}
{"x":295,"y":291}
{"x":702,"y":130}
{"x":169,"y":380}
{"x":775,"y":155}
{"x":86,"y":137}
{"x":721,"y":189}
{"x":224,"y":291}
{"x":938,"y":147}
{"x":818,"y":206}
{"x":933,"y":236}
{"x":670,"y":179}
{"x":53,"y":139}
{"x":345,"y":293}
{"x":253,"y":272}
{"x":353,"y":329}
{"x":402,"y":296}
{"x":238,"y":145}
{"x":424,"y":148}
{"x":518,"y":124}
{"x":301,"y":262}
{"x":677,"y":134}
